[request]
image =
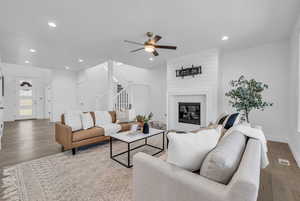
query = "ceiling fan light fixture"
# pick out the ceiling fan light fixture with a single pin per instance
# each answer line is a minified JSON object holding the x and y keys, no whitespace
{"x":149,"y":48}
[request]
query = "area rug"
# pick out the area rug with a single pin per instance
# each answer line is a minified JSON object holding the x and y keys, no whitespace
{"x":90,"y":175}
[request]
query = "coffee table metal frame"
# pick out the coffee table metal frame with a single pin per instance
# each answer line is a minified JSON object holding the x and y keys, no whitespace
{"x":129,"y":149}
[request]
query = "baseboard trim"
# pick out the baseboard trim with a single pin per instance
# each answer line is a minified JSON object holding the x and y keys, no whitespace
{"x":295,"y":154}
{"x":274,"y":139}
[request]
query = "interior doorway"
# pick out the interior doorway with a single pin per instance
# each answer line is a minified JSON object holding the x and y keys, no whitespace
{"x":26,"y":103}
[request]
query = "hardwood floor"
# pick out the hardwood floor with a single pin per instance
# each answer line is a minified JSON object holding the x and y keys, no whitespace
{"x":280,"y":183}
{"x":31,"y":139}
{"x":27,"y":140}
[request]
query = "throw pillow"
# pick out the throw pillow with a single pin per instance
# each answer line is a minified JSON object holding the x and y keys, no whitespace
{"x":102,"y":118}
{"x":222,"y":162}
{"x":73,"y":120}
{"x":231,"y":120}
{"x":189,"y":150}
{"x":125,"y":116}
{"x":87,"y":120}
{"x":221,"y":118}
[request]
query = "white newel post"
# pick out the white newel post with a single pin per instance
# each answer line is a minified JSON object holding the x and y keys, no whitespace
{"x":110,"y":72}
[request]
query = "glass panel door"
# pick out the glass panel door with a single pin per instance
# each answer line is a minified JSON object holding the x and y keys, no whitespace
{"x":25,"y":99}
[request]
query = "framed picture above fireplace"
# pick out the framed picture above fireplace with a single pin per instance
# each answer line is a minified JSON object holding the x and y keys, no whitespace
{"x":189,"y":113}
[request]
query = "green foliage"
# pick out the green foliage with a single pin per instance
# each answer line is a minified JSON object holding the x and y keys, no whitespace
{"x":144,"y":118}
{"x":246,"y":95}
{"x":139,"y":118}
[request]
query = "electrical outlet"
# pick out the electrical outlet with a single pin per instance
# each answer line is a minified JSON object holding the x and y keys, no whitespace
{"x":284,"y":162}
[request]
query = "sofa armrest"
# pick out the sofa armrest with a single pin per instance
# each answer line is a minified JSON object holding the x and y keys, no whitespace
{"x":155,"y":179}
{"x":63,"y":135}
{"x":245,"y":182}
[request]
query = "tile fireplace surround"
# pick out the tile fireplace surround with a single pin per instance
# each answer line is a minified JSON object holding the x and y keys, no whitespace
{"x":203,"y":96}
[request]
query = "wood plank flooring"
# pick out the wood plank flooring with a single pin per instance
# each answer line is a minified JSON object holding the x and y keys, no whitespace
{"x":27,"y":140}
{"x":31,"y":139}
{"x":280,"y":183}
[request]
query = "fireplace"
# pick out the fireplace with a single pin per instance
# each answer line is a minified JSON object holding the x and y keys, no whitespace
{"x":189,"y":113}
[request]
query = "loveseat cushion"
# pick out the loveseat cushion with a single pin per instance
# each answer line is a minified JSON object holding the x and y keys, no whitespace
{"x":189,"y":150}
{"x":222,"y":162}
{"x":86,"y":134}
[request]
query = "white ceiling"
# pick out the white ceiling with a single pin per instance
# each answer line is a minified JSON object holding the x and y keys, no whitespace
{"x":94,"y":30}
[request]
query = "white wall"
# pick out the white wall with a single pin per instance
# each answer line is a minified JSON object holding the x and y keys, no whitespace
{"x":12,"y":72}
{"x":149,"y":94}
{"x":158,"y":92}
{"x":294,"y":108}
{"x":92,"y":88}
{"x":207,"y":81}
{"x":64,"y":93}
{"x":267,"y":63}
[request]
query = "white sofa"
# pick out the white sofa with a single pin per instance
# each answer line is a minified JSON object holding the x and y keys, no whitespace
{"x":157,"y":180}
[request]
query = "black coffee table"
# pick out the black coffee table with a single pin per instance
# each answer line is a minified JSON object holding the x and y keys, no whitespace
{"x":130,"y":137}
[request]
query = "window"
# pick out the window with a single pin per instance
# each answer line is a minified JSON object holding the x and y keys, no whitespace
{"x":25,"y":92}
{"x":25,"y":102}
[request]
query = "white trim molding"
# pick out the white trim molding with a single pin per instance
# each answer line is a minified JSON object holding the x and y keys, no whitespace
{"x":210,"y":113}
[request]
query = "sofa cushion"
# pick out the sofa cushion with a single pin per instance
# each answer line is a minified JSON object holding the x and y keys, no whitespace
{"x":221,"y":163}
{"x":102,"y":118}
{"x":86,"y":134}
{"x":189,"y":150}
{"x":87,"y":120}
{"x":73,"y":120}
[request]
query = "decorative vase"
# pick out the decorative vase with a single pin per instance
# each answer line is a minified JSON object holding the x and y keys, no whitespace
{"x":140,"y":125}
{"x":146,"y":128}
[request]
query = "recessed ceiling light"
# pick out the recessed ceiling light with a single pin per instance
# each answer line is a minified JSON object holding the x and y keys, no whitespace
{"x":80,"y":60}
{"x":32,"y":50}
{"x":67,"y":67}
{"x":151,"y":59}
{"x":225,"y":38}
{"x":27,"y":62}
{"x":51,"y":24}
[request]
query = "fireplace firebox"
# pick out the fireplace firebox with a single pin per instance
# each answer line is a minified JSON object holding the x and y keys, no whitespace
{"x":189,"y":113}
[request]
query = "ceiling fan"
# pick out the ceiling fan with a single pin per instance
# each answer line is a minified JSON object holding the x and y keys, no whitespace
{"x":150,"y":44}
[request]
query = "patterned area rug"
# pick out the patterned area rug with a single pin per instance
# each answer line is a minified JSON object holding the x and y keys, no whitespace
{"x":90,"y":175}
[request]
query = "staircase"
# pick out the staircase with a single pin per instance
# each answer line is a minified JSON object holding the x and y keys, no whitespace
{"x":122,"y":100}
{"x":123,"y":94}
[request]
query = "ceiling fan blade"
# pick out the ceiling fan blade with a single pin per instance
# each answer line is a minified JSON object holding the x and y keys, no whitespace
{"x":133,"y":42}
{"x":155,"y":53}
{"x":166,"y":47}
{"x":137,"y":49}
{"x":156,"y":38}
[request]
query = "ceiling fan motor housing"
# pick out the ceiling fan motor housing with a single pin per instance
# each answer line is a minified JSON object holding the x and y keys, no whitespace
{"x":149,"y":34}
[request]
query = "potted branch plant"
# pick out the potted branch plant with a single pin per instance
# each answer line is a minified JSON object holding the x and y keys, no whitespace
{"x":140,"y":121}
{"x":143,"y":122}
{"x":246,"y":95}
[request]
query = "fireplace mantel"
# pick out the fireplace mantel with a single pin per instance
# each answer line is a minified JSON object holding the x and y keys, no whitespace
{"x":203,"y":94}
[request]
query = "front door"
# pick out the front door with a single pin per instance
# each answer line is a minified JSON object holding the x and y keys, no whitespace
{"x":25,"y":99}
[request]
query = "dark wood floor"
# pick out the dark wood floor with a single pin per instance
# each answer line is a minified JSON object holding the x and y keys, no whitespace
{"x":280,"y":183}
{"x":31,"y":139}
{"x":27,"y":140}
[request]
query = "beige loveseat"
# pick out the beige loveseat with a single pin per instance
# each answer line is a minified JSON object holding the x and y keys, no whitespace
{"x":156,"y":180}
{"x":72,"y":140}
